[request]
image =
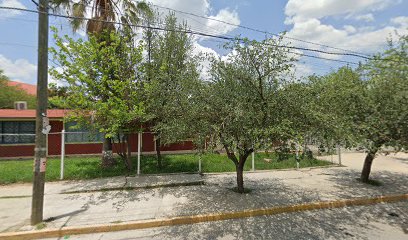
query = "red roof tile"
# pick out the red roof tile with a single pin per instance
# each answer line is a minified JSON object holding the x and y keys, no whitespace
{"x":30,"y":113}
{"x":28,"y":88}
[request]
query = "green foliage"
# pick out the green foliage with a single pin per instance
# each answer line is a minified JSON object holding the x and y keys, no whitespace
{"x":126,"y":11}
{"x":239,"y":103}
{"x":57,"y":96}
{"x":10,"y":94}
{"x":334,"y":106}
{"x":89,"y":168}
{"x":385,"y":122}
{"x":171,"y":73}
{"x":103,"y":80}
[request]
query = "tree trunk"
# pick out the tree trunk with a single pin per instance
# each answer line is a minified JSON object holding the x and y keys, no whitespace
{"x":240,"y":177}
{"x":159,"y":158}
{"x":365,"y":174}
{"x":107,"y":154}
{"x":129,"y":153}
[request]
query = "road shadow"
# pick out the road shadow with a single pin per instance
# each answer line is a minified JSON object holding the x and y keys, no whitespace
{"x":69,"y":214}
{"x":216,"y":196}
{"x":342,"y":223}
{"x":349,"y":185}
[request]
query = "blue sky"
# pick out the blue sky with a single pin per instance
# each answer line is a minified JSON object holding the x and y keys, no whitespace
{"x":357,"y":25}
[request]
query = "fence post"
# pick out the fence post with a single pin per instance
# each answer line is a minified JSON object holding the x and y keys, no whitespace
{"x":199,"y":163}
{"x":253,"y":161}
{"x":62,"y":154}
{"x":339,"y":152}
{"x":297,"y":155}
{"x":139,"y":143}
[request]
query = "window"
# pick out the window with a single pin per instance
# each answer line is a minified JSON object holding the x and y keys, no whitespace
{"x":80,"y":134}
{"x":17,"y":127}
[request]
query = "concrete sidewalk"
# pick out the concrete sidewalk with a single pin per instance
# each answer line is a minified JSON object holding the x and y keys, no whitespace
{"x":103,"y":184}
{"x":269,"y":189}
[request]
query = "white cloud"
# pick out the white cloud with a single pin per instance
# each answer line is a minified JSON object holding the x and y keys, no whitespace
{"x":205,"y":64}
{"x":306,"y":15}
{"x":401,"y":21}
{"x":363,"y":40}
{"x":201,"y":8}
{"x":369,"y":17}
{"x":308,"y":20}
{"x":59,"y":83}
{"x":224,"y":15}
{"x":19,"y":70}
{"x":301,"y":70}
{"x":10,"y":13}
{"x":297,"y":10}
{"x":313,"y":30}
{"x":349,"y":29}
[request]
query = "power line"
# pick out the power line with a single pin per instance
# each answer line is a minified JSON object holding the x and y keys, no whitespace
{"x":18,"y":44}
{"x":256,"y":30}
{"x":194,"y":33}
{"x":351,"y":53}
{"x":329,"y":59}
{"x":36,"y":3}
{"x":36,"y":21}
{"x":188,"y":32}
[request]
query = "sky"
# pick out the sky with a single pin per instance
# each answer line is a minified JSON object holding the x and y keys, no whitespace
{"x":361,"y":26}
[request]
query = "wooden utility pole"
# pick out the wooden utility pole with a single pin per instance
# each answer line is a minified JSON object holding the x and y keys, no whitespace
{"x":40,"y":150}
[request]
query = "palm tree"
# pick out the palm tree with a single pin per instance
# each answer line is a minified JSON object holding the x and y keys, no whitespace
{"x":103,"y":14}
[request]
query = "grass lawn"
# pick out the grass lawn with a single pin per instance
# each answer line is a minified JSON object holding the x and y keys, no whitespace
{"x":89,"y":167}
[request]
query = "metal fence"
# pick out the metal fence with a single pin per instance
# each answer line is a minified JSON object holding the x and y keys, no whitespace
{"x":88,"y":144}
{"x":68,"y":143}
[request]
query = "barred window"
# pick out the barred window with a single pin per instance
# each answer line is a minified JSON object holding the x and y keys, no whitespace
{"x":9,"y":129}
{"x":77,"y":134}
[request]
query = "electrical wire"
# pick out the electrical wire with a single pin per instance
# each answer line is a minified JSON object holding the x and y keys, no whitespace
{"x":195,"y":33}
{"x":256,"y":30}
{"x":350,"y":52}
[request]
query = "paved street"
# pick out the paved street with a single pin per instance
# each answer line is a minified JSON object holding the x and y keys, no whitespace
{"x":272,"y":188}
{"x":383,"y":221}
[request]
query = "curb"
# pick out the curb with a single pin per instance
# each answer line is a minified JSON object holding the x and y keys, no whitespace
{"x":48,"y":233}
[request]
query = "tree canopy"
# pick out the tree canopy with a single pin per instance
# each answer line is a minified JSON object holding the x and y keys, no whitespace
{"x":104,"y":79}
{"x":170,"y":74}
{"x":10,"y":94}
{"x":385,"y":121}
{"x":240,"y":101}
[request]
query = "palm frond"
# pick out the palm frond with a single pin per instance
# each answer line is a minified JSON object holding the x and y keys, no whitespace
{"x":78,"y":10}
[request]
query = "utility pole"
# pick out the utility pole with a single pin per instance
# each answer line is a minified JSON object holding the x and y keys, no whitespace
{"x":40,"y":151}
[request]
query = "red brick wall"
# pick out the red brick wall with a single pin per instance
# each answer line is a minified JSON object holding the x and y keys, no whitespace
{"x":17,"y":150}
{"x":147,"y":142}
{"x":54,"y":140}
{"x":83,"y":148}
{"x":54,"y":145}
{"x":186,"y":145}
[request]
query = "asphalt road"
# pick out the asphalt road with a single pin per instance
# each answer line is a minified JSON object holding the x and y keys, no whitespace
{"x":269,"y":189}
{"x":382,"y":221}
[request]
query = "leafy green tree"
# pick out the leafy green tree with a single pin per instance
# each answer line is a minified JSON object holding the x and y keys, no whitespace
{"x":335,"y":104}
{"x":104,"y":14}
{"x":104,"y":83}
{"x":57,"y":95}
{"x":385,"y":122}
{"x":10,"y":94}
{"x":237,"y":106}
{"x":170,"y":70}
{"x":369,"y":108}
